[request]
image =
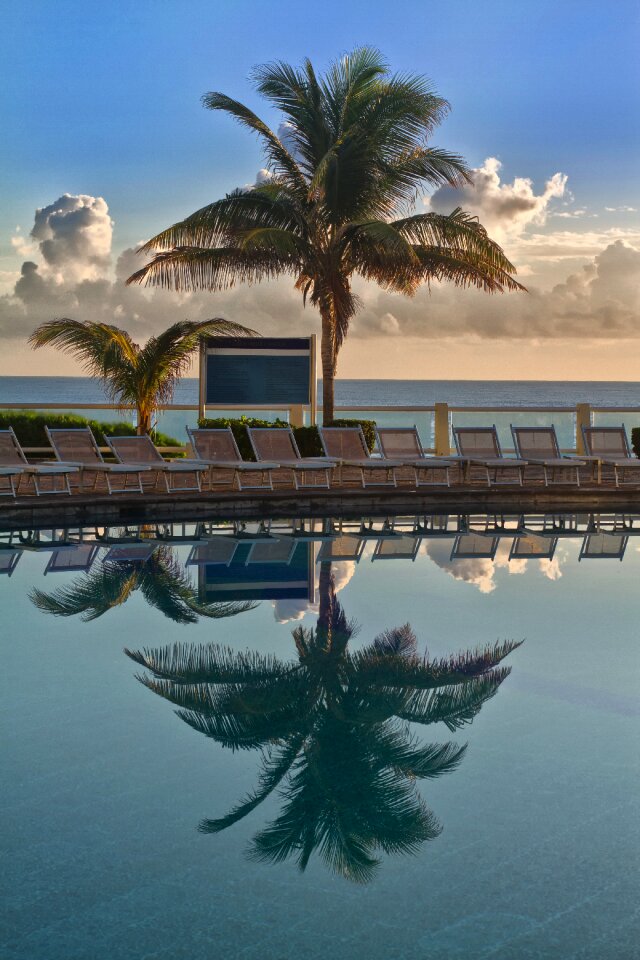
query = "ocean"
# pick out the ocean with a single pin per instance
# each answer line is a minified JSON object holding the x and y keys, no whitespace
{"x":508,"y":393}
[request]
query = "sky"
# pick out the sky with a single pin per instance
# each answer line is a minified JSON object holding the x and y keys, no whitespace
{"x":105,"y":143}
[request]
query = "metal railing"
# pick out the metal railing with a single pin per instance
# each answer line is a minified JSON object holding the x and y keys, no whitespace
{"x":434,"y":421}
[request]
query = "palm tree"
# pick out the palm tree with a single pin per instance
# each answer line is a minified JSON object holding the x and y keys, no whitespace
{"x":133,"y":376}
{"x":333,"y":730}
{"x":338,"y":202}
{"x":161,"y":580}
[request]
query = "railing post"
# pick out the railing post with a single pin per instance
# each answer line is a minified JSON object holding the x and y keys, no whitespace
{"x":583,"y":419}
{"x":441,"y":430}
{"x":296,"y":415}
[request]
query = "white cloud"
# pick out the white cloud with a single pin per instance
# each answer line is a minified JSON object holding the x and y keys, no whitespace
{"x":622,"y":209}
{"x":505,"y":209}
{"x":74,"y":238}
{"x":285,"y":611}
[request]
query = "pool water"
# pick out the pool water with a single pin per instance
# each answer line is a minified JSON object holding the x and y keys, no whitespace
{"x":117,"y":840}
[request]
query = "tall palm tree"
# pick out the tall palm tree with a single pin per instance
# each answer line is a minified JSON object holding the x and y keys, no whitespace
{"x":344,"y":178}
{"x":141,"y":377}
{"x":333,"y":730}
{"x":161,"y":579}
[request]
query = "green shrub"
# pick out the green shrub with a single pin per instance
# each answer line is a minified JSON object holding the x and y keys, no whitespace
{"x":307,"y":438}
{"x":29,"y":427}
{"x":635,"y":441}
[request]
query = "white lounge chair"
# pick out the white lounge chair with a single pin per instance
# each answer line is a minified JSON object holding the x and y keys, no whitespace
{"x":611,"y":446}
{"x":279,"y":444}
{"x":9,"y":561}
{"x":348,"y":446}
{"x":603,"y":546}
{"x":539,"y":447}
{"x":479,"y":446}
{"x":140,"y":451}
{"x":218,"y":449}
{"x":72,"y":559}
{"x":404,"y":444}
{"x":474,"y":546}
{"x":78,"y":448}
{"x":14,"y":466}
{"x":213,"y":552}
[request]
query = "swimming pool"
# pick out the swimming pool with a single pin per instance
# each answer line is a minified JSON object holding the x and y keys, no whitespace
{"x":289,"y":656}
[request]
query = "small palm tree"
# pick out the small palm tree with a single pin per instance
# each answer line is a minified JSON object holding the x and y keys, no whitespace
{"x":339,"y":200}
{"x":161,"y":579}
{"x":133,"y":376}
{"x":333,"y":730}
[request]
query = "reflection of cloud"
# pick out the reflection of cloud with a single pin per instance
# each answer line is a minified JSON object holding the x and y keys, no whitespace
{"x":286,"y":610}
{"x":505,"y":209}
{"x":481,"y":571}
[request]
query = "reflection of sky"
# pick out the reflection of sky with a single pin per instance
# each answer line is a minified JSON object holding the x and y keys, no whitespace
{"x":104,"y":786}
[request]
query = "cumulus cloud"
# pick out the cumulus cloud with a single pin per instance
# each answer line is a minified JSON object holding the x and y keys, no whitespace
{"x":505,"y":209}
{"x":74,"y":237}
{"x":600,"y":301}
{"x":69,"y":273}
{"x":285,"y":610}
{"x":481,"y":572}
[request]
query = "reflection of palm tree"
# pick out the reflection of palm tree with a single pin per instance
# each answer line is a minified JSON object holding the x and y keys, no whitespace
{"x":161,"y":580}
{"x":333,"y":728}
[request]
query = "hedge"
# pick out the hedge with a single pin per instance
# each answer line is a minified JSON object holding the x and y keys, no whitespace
{"x":307,"y":438}
{"x":29,"y":427}
{"x":635,"y":440}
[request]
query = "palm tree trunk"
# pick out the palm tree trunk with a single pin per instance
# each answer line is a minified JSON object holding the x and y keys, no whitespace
{"x":326,"y":595}
{"x":328,"y":355}
{"x":144,"y":422}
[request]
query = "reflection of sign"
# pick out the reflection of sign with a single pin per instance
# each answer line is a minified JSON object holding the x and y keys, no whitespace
{"x":258,"y":371}
{"x":253,"y":576}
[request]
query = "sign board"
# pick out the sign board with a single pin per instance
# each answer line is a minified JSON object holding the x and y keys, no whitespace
{"x":258,"y":372}
{"x":247,"y":579}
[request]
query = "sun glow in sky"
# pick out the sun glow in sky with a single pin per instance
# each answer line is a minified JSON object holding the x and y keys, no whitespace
{"x":106,"y":143}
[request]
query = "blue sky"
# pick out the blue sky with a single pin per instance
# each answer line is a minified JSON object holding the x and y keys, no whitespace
{"x":103,"y":100}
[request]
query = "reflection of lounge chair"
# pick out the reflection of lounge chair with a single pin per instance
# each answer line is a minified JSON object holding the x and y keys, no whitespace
{"x":217,"y":550}
{"x":271,"y":551}
{"x":402,"y":547}
{"x":345,"y":546}
{"x":480,"y":447}
{"x":9,"y":561}
{"x":403,"y":443}
{"x":603,"y":546}
{"x":539,"y":446}
{"x":531,"y":546}
{"x":218,"y":448}
{"x":476,"y":546}
{"x":14,"y":465}
{"x":279,"y":444}
{"x":130,"y":553}
{"x":140,"y":451}
{"x":77,"y":559}
{"x":78,"y":448}
{"x":611,"y":446}
{"x":348,"y":446}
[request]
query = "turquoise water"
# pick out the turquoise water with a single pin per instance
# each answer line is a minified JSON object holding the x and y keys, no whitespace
{"x":533,"y":851}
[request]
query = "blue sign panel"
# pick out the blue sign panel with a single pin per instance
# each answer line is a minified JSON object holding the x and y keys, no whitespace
{"x":258,"y":370}
{"x":246,"y":579}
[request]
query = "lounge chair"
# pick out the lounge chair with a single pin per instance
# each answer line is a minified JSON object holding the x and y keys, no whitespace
{"x":279,"y":444}
{"x":218,"y":449}
{"x":403,"y":443}
{"x":78,"y":448}
{"x":14,"y":466}
{"x":141,"y":452}
{"x":345,"y":546}
{"x":532,"y":546}
{"x":348,"y":446}
{"x":271,"y":551}
{"x":217,"y":550}
{"x":9,"y":561}
{"x":603,"y":546}
{"x":404,"y":546}
{"x":480,"y":447}
{"x":130,"y":553}
{"x":539,"y":446}
{"x":474,"y":546}
{"x":72,"y":559}
{"x":611,"y":446}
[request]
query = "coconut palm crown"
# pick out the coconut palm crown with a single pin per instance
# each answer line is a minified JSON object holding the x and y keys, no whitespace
{"x":133,"y":376}
{"x":351,"y":159}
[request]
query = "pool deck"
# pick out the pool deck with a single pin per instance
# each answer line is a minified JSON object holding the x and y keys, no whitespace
{"x":92,"y":508}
